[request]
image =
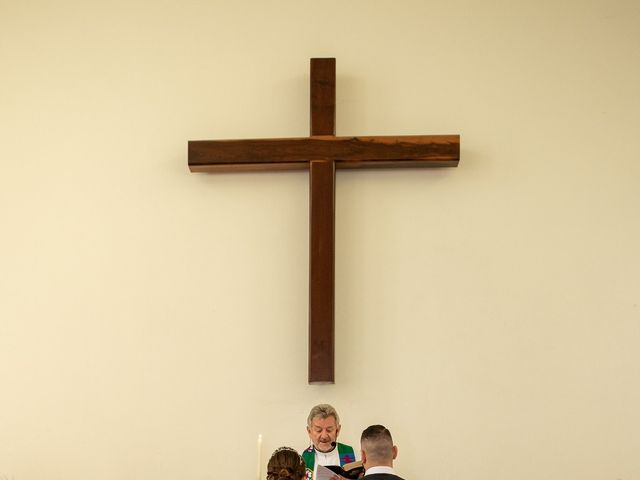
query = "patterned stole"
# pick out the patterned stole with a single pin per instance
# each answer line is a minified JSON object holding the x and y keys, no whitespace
{"x":345,"y":452}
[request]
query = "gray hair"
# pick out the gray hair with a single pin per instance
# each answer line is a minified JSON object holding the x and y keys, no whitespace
{"x":323,"y":411}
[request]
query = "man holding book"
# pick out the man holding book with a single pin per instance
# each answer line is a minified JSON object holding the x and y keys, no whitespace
{"x":323,"y":427}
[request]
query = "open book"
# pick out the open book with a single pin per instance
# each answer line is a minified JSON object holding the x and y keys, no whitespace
{"x":348,"y":471}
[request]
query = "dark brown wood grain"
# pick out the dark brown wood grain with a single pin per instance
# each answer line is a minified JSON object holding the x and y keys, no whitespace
{"x":322,"y":93}
{"x":321,"y":271}
{"x":323,"y":96}
{"x":348,"y":152}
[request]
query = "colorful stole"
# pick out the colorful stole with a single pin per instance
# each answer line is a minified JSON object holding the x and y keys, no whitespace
{"x":345,"y":452}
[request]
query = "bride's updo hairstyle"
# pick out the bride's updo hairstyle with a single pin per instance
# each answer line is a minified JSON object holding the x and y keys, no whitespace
{"x":285,"y":464}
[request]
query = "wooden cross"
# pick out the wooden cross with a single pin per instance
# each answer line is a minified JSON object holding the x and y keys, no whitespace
{"x":322,"y":153}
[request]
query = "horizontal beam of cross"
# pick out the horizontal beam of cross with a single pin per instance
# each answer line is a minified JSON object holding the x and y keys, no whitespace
{"x":348,"y":152}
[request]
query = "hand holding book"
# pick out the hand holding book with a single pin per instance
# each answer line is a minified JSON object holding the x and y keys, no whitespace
{"x":349,"y":471}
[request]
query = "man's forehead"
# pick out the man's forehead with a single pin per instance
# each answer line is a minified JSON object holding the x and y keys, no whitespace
{"x":324,"y":422}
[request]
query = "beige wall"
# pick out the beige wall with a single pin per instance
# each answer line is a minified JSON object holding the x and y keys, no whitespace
{"x":153,"y":321}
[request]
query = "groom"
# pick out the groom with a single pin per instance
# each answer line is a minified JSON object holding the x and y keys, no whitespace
{"x":378,"y":453}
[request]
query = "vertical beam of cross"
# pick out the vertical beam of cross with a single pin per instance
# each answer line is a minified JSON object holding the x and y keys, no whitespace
{"x":322,"y":227}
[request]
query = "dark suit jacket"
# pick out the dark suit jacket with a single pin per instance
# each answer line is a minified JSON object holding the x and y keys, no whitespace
{"x":381,"y":476}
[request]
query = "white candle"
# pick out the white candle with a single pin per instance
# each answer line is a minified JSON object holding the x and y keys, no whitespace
{"x":259,"y":477}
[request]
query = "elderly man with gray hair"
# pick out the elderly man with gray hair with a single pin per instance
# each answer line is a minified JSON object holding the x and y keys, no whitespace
{"x":323,"y":427}
{"x":378,"y":453}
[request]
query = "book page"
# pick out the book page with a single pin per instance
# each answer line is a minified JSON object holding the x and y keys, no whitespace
{"x":323,"y":473}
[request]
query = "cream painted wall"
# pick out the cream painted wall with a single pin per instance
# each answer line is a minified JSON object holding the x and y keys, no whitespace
{"x":153,"y":321}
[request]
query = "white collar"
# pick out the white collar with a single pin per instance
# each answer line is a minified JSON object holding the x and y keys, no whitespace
{"x":328,"y":458}
{"x":381,"y":469}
